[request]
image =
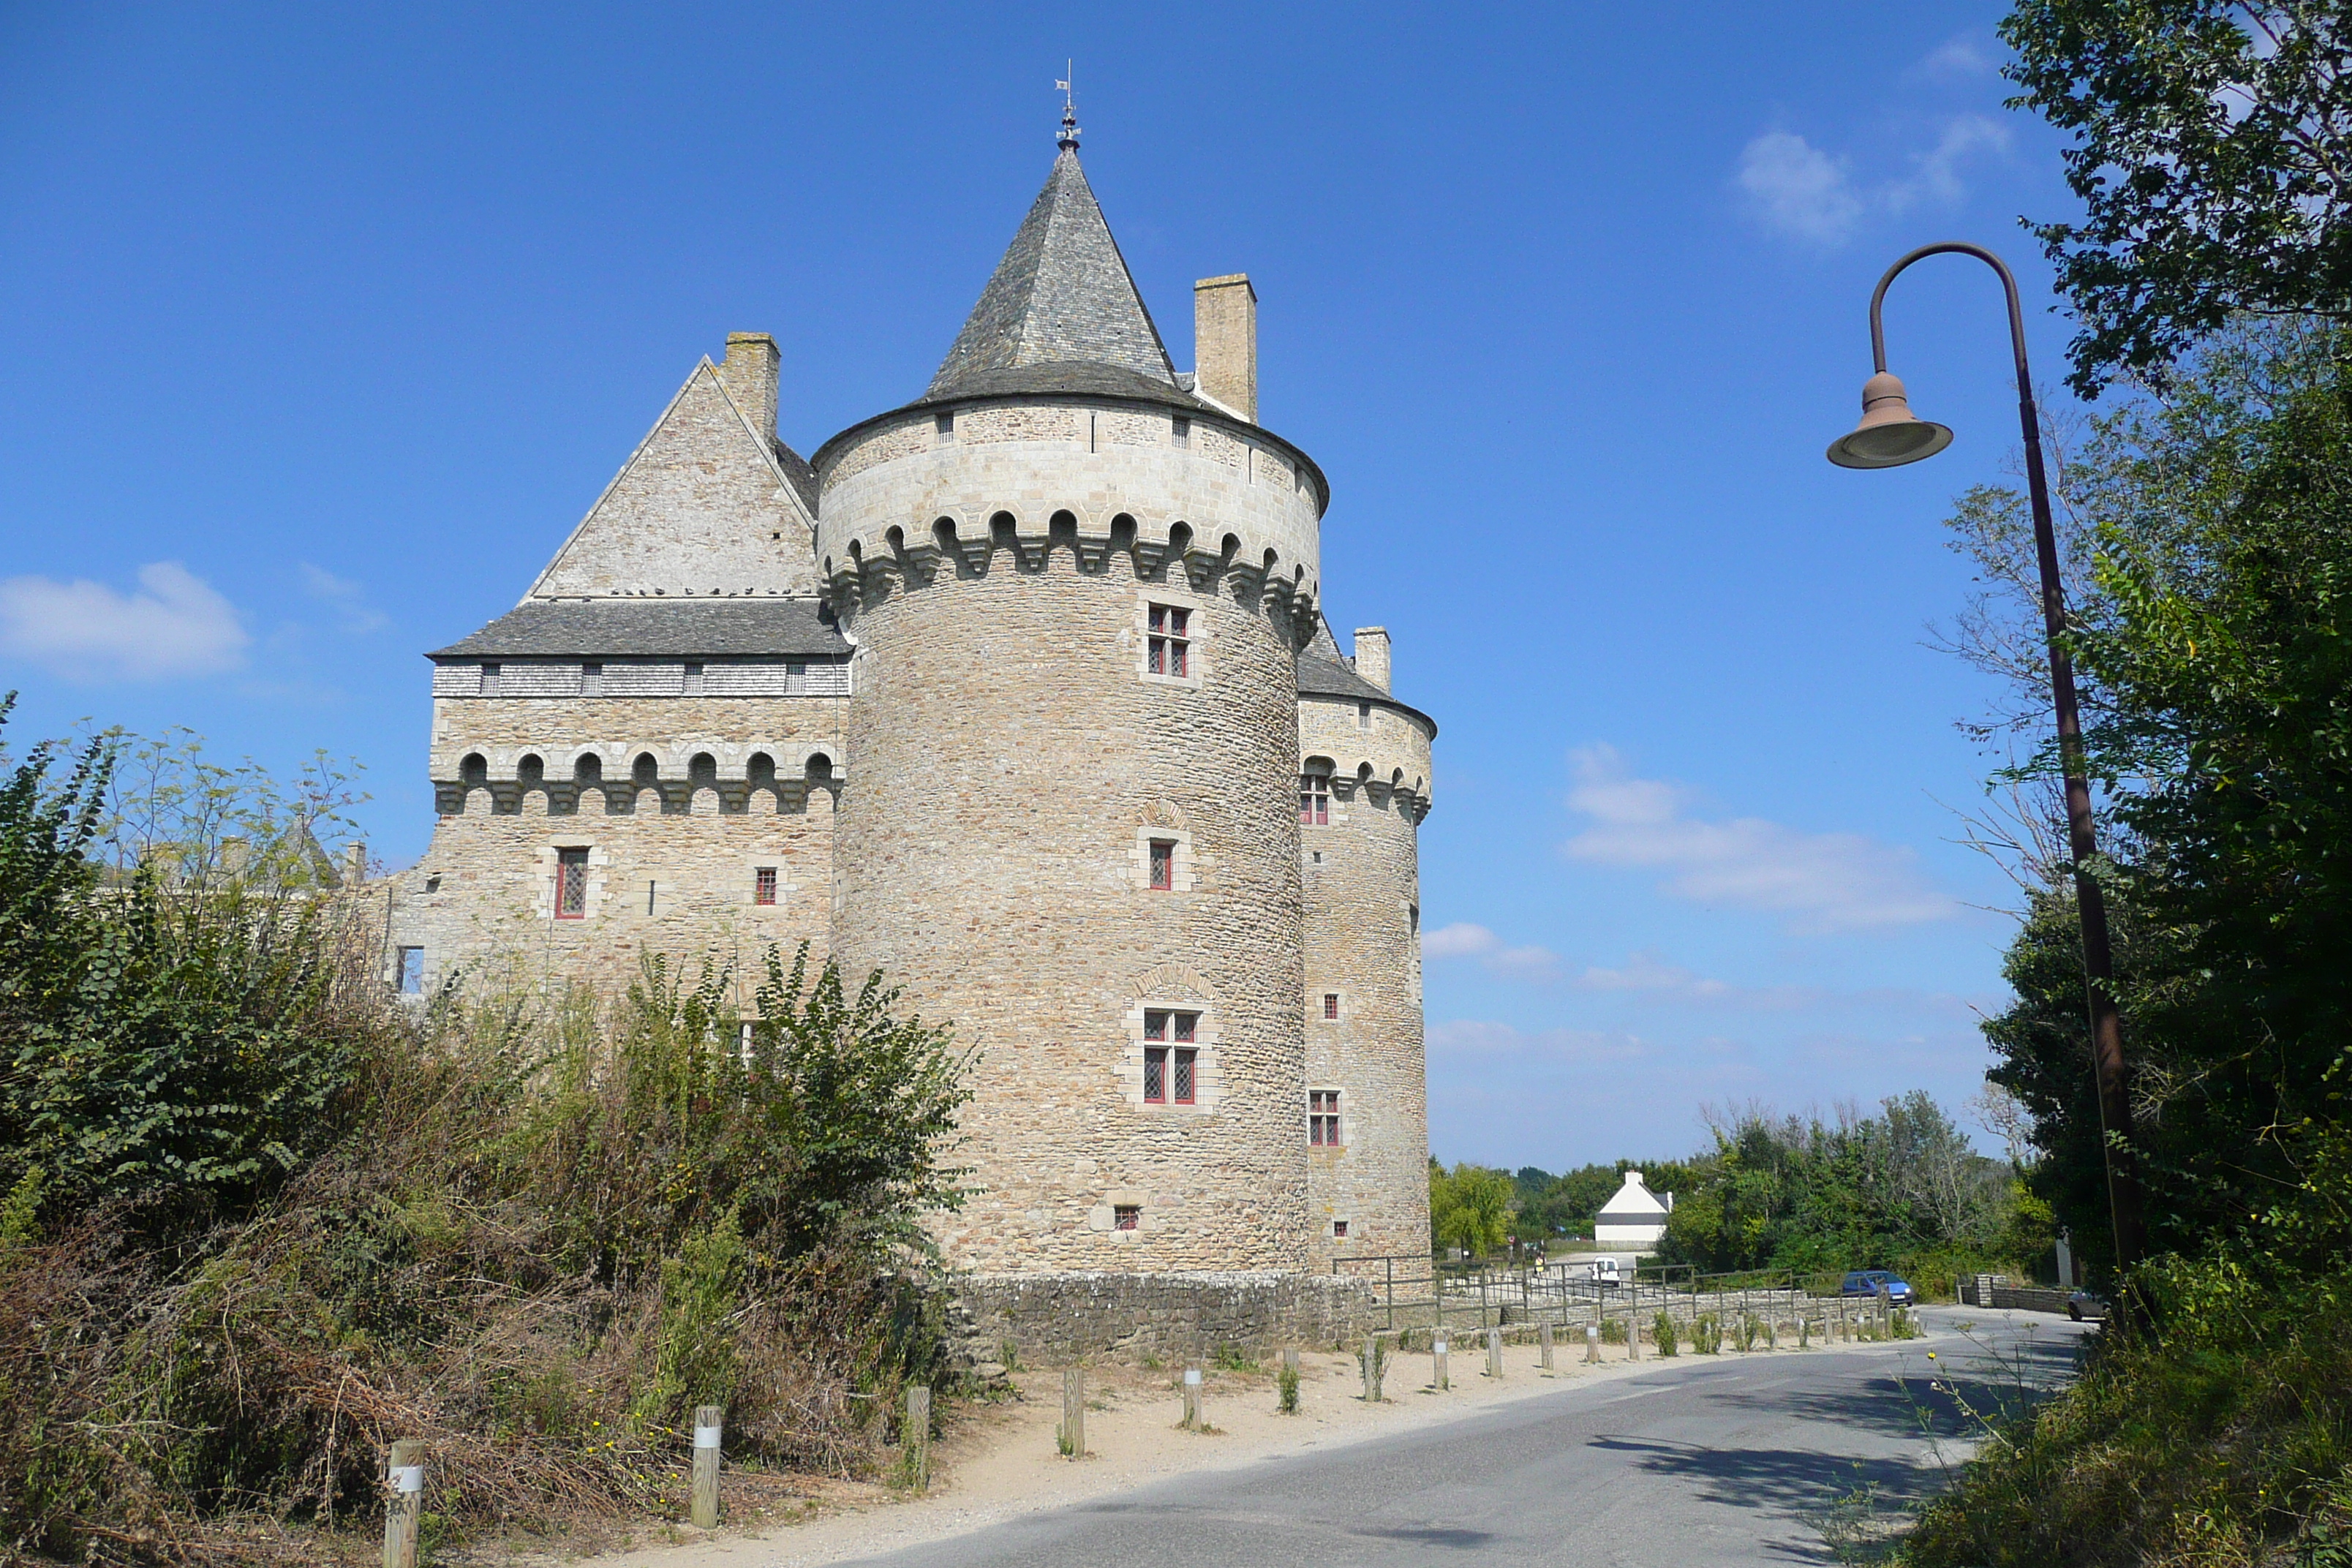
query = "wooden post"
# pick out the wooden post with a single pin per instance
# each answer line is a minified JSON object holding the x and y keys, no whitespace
{"x":1543,"y":1341}
{"x":1494,"y":1354}
{"x":1632,"y":1339}
{"x":1592,"y":1344}
{"x":1192,"y":1399}
{"x":405,"y":1504}
{"x":702,"y":1510}
{"x":1372,"y":1369}
{"x":1074,"y":1412}
{"x":915,"y":1437}
{"x":1437,"y":1378}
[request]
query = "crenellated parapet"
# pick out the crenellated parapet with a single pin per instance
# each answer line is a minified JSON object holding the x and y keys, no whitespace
{"x":1098,"y":486}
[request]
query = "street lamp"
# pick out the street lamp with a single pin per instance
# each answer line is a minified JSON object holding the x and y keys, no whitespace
{"x":1890,"y":435}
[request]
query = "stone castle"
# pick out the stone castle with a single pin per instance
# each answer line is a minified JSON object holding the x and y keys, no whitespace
{"x":1023,"y":694}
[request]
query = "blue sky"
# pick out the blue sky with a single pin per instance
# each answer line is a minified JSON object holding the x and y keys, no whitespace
{"x":325,"y":324}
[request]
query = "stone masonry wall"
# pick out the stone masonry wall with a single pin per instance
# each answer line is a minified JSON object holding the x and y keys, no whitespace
{"x":671,"y":866}
{"x":1058,"y":1317}
{"x":1363,"y":946}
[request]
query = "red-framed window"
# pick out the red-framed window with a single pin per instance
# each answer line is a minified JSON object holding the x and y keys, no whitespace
{"x":1127,"y":1217}
{"x":1338,"y":1230}
{"x":1330,"y":1005}
{"x":1315,"y":800}
{"x":1170,"y":1057}
{"x":1323,"y":1118}
{"x":1164,"y":865}
{"x":764,"y":884}
{"x":571,"y":884}
{"x":1170,"y":641}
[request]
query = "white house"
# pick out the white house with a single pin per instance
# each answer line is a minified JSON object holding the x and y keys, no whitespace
{"x":1635,"y":1216}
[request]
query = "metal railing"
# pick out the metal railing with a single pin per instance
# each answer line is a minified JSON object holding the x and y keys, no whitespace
{"x":1413,"y":1291}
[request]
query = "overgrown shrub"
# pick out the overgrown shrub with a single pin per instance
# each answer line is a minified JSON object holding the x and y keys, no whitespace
{"x":2222,"y":1437}
{"x":258,"y":1221}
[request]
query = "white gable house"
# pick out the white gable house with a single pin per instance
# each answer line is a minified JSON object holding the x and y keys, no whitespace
{"x":1635,"y":1216}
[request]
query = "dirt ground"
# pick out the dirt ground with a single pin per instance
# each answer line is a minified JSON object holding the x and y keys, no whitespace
{"x":1000,"y":1460}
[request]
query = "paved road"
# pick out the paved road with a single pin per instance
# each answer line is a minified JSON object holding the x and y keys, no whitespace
{"x":1703,"y":1461}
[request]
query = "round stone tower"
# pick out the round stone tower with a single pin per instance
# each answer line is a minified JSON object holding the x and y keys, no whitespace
{"x":1077,"y":586}
{"x":1363,"y":789}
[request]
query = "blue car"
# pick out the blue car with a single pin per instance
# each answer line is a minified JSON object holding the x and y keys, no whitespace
{"x":1871,"y":1281}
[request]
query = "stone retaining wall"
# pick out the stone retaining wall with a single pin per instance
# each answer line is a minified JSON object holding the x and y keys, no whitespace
{"x":1057,"y":1317}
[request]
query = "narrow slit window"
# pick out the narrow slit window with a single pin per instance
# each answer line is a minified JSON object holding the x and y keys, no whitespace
{"x":571,"y":884}
{"x":1164,"y":865}
{"x":763,"y":885}
{"x":942,"y":428}
{"x":410,"y":979}
{"x":1179,"y":431}
{"x":1323,"y":1118}
{"x":1330,"y":1005}
{"x":1314,"y":801}
{"x":1363,"y":715}
{"x":1170,"y":641}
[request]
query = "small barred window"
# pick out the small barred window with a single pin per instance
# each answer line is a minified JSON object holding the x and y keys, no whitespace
{"x":1170,"y":641}
{"x":763,"y":885}
{"x":1164,"y":865}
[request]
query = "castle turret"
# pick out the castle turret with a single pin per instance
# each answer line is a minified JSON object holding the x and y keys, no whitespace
{"x":1363,"y":789}
{"x":1077,"y":592}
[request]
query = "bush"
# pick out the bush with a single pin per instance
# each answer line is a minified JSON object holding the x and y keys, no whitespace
{"x":257,"y":1220}
{"x":1669,"y":1336}
{"x":2224,"y":1436}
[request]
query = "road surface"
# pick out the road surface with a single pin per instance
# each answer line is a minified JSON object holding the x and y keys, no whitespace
{"x":1707,"y":1461}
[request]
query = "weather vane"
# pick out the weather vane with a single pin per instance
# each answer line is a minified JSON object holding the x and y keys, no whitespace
{"x":1069,"y":137}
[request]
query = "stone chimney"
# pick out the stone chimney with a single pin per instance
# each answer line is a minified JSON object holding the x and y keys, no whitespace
{"x":1372,"y":655}
{"x":354,"y":863}
{"x":1224,"y":342}
{"x":749,"y":373}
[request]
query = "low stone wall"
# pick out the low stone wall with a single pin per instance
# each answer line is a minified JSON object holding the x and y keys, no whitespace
{"x":2001,"y":1293}
{"x":1055,"y":1318}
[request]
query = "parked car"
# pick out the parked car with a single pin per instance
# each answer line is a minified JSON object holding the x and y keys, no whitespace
{"x":2083,"y":1304}
{"x":1877,"y":1282}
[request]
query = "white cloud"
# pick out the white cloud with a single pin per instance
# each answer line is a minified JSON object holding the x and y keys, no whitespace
{"x":1796,"y":189}
{"x":1800,"y":192}
{"x":1460,"y":940}
{"x":1962,"y":55}
{"x":1463,"y":940}
{"x":1819,"y":882}
{"x":346,"y":596}
{"x":1937,"y":176}
{"x":179,"y":625}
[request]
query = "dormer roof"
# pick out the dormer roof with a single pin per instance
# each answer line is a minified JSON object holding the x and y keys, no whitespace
{"x":1061,"y":306}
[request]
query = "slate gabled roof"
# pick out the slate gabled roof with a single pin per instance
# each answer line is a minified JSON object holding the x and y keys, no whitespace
{"x":1323,"y":671}
{"x":653,"y":628}
{"x":1062,"y":296}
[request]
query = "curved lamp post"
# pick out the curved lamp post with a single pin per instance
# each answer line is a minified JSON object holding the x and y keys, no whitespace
{"x":1890,"y":435}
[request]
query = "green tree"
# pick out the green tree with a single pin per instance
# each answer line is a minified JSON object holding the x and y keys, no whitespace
{"x":2213,"y":154}
{"x":1469,"y":1207}
{"x":2214,"y":633}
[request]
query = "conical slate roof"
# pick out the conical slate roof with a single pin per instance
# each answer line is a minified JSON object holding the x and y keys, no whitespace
{"x":1062,"y":307}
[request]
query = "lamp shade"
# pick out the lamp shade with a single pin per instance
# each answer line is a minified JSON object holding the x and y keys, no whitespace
{"x":1890,"y":435}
